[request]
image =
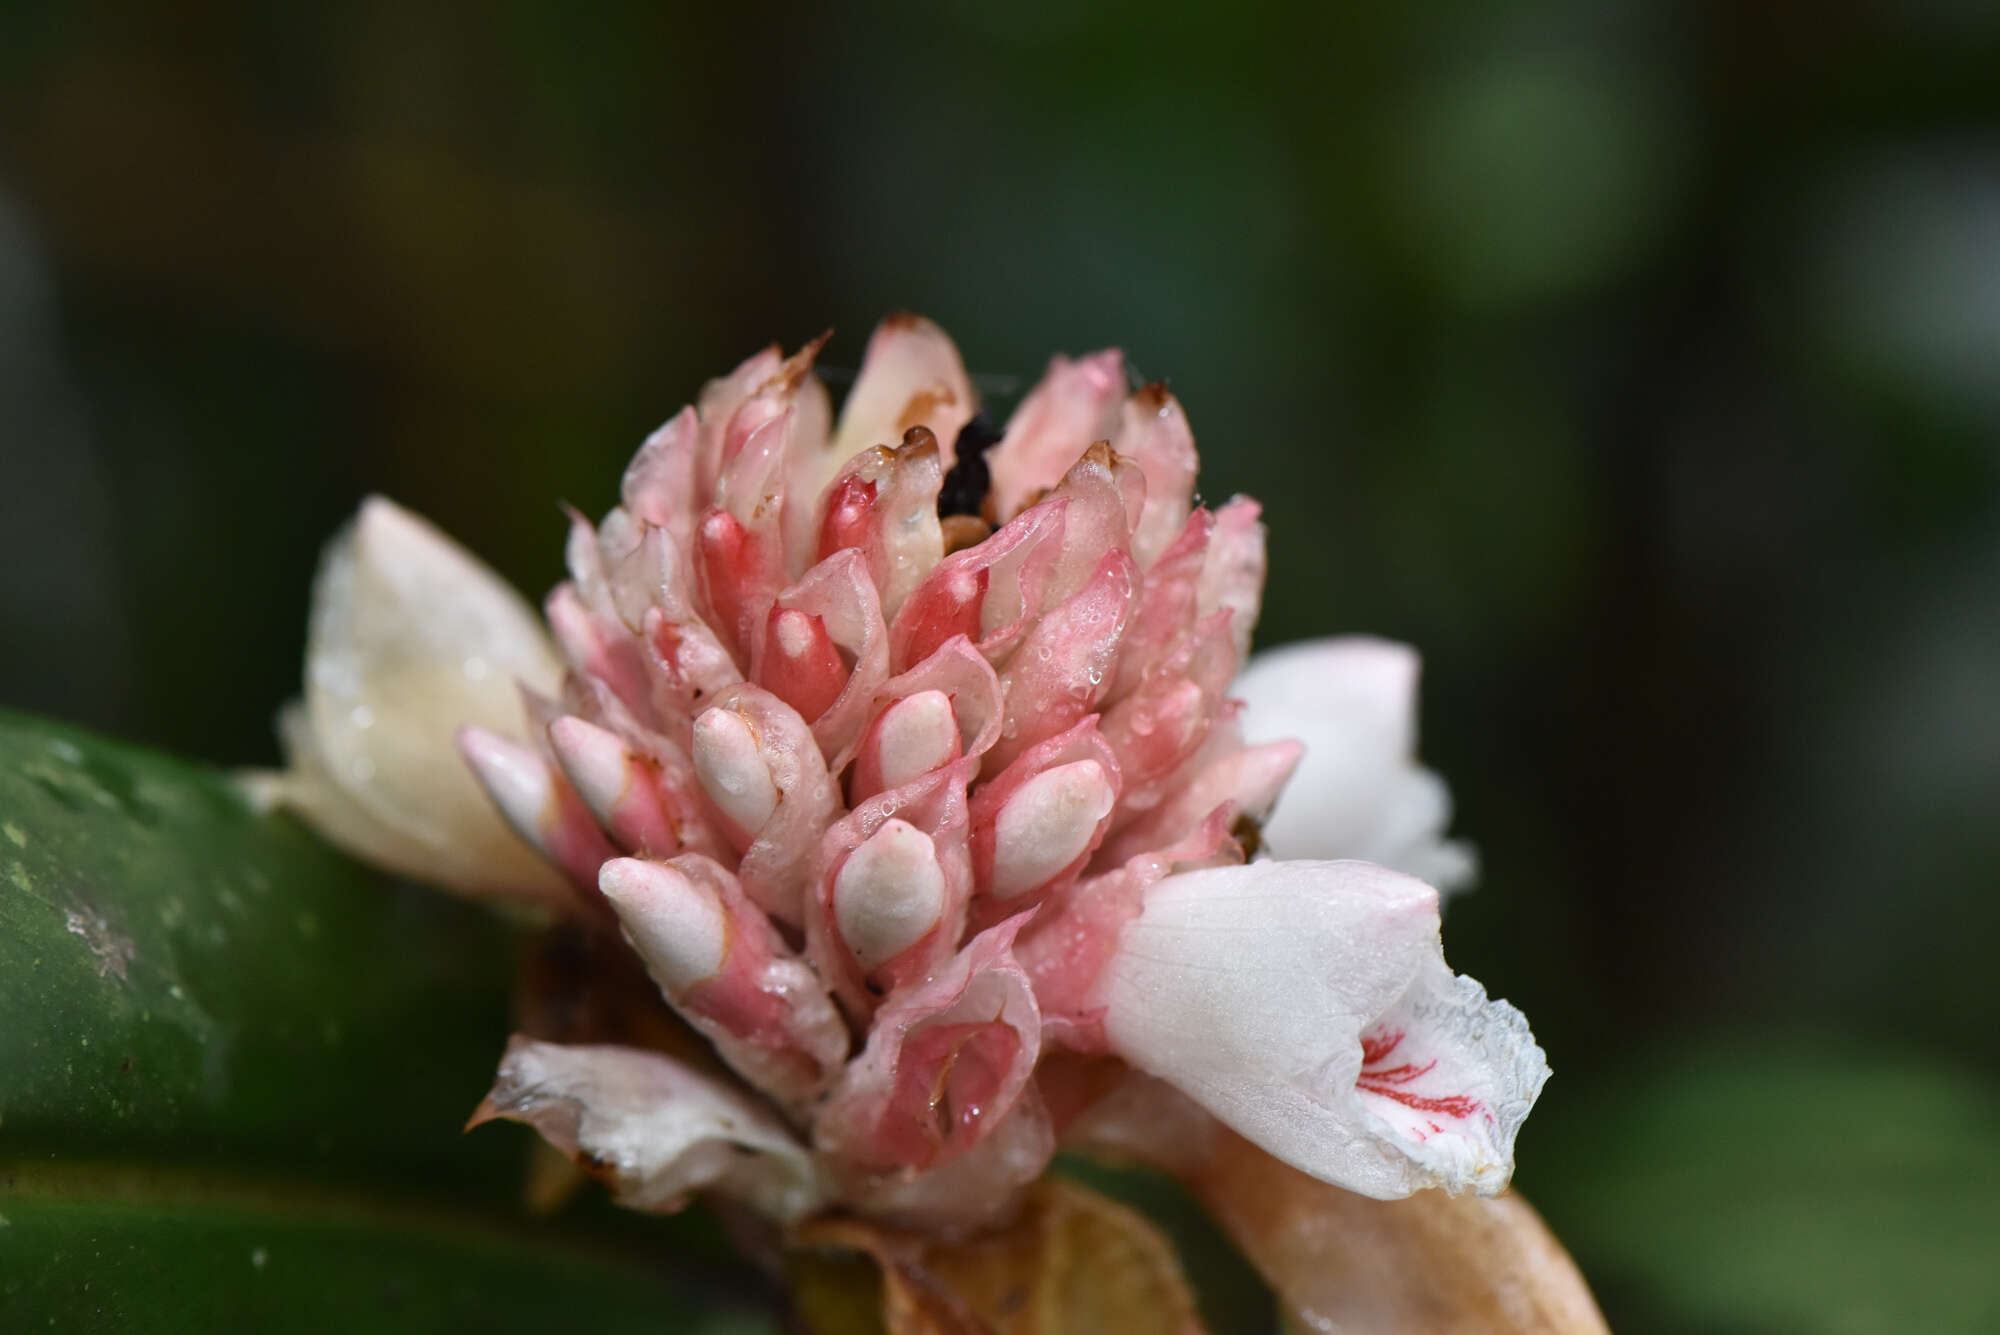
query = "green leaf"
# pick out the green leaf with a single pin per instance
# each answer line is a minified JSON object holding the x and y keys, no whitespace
{"x":1784,"y":1186}
{"x":234,"y":1066}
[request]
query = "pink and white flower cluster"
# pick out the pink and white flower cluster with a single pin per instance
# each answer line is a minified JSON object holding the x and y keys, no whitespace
{"x":906,"y":753}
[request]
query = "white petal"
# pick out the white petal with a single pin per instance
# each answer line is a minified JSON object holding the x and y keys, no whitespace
{"x":653,"y":1129}
{"x":1307,"y":1005}
{"x":412,"y":638}
{"x":1358,"y":791}
{"x":910,"y":376}
{"x":309,"y":789}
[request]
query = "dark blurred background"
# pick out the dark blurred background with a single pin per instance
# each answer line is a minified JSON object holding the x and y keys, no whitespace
{"x":1639,"y":362}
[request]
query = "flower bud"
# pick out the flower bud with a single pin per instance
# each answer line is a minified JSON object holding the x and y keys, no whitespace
{"x":677,"y":927}
{"x":1047,"y":824}
{"x":615,"y":784}
{"x":888,"y":894}
{"x":914,"y":736}
{"x":733,"y":772}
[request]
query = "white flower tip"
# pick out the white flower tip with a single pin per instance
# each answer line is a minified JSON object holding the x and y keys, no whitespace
{"x":386,"y":532}
{"x":916,"y":735}
{"x":793,"y":632}
{"x":1103,"y":371}
{"x":514,"y":776}
{"x":595,"y":760}
{"x":570,"y":623}
{"x":677,"y":927}
{"x":718,"y":528}
{"x":732,"y":769}
{"x":1047,"y":823}
{"x":888,"y":894}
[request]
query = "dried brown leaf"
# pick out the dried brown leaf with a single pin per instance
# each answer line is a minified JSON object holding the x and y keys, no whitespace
{"x":1070,"y":1263}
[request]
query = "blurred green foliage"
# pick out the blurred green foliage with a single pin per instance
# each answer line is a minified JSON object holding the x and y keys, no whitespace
{"x":234,"y":1069}
{"x":1640,"y":363}
{"x":1787,"y":1184}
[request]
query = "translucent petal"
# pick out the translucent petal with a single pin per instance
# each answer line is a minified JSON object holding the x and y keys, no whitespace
{"x":652,"y":1129}
{"x":1358,"y":791}
{"x":1308,"y":1005}
{"x":412,"y":638}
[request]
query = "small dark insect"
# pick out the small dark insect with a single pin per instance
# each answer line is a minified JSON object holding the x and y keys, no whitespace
{"x":965,"y":486}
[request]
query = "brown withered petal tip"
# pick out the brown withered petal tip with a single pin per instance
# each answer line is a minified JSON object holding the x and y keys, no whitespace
{"x":799,"y":365}
{"x":1101,"y":453}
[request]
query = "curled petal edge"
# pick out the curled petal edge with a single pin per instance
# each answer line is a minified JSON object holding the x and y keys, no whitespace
{"x":1308,"y":1006}
{"x":653,"y":1130}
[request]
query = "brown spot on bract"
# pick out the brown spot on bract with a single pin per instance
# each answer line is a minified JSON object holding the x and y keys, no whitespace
{"x":917,"y":442}
{"x":1035,"y":498}
{"x":963,"y":531}
{"x":923,"y":406}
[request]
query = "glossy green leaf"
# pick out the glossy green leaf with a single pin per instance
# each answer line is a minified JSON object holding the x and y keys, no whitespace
{"x":1784,"y":1186}
{"x":234,"y":1066}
